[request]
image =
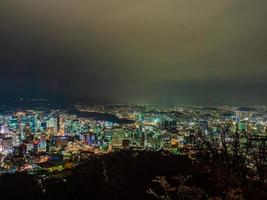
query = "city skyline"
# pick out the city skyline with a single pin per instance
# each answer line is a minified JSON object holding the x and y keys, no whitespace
{"x":141,"y":99}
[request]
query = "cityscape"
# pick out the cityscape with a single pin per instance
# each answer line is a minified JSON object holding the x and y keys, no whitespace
{"x":33,"y":140}
{"x":133,"y":100}
{"x":45,"y":141}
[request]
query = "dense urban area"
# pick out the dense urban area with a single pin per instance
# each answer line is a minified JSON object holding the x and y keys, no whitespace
{"x":47,"y":142}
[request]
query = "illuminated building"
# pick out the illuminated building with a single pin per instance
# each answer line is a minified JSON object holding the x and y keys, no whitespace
{"x":4,"y":129}
{"x":51,"y":123}
{"x":42,"y":144}
{"x":13,"y":123}
{"x":29,"y":147}
{"x":39,"y":125}
{"x":28,"y":133}
{"x":60,"y":125}
{"x":15,"y":139}
{"x":7,"y":146}
{"x":90,"y":138}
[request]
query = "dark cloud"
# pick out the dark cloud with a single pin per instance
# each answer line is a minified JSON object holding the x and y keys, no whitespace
{"x":144,"y":51}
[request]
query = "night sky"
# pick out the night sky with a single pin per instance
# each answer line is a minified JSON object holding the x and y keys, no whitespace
{"x":135,"y":51}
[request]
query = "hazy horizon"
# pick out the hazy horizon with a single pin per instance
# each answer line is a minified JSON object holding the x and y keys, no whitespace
{"x":150,"y":51}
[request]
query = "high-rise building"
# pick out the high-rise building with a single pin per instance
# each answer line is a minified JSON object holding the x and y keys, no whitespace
{"x":42,"y":144}
{"x":60,"y":125}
